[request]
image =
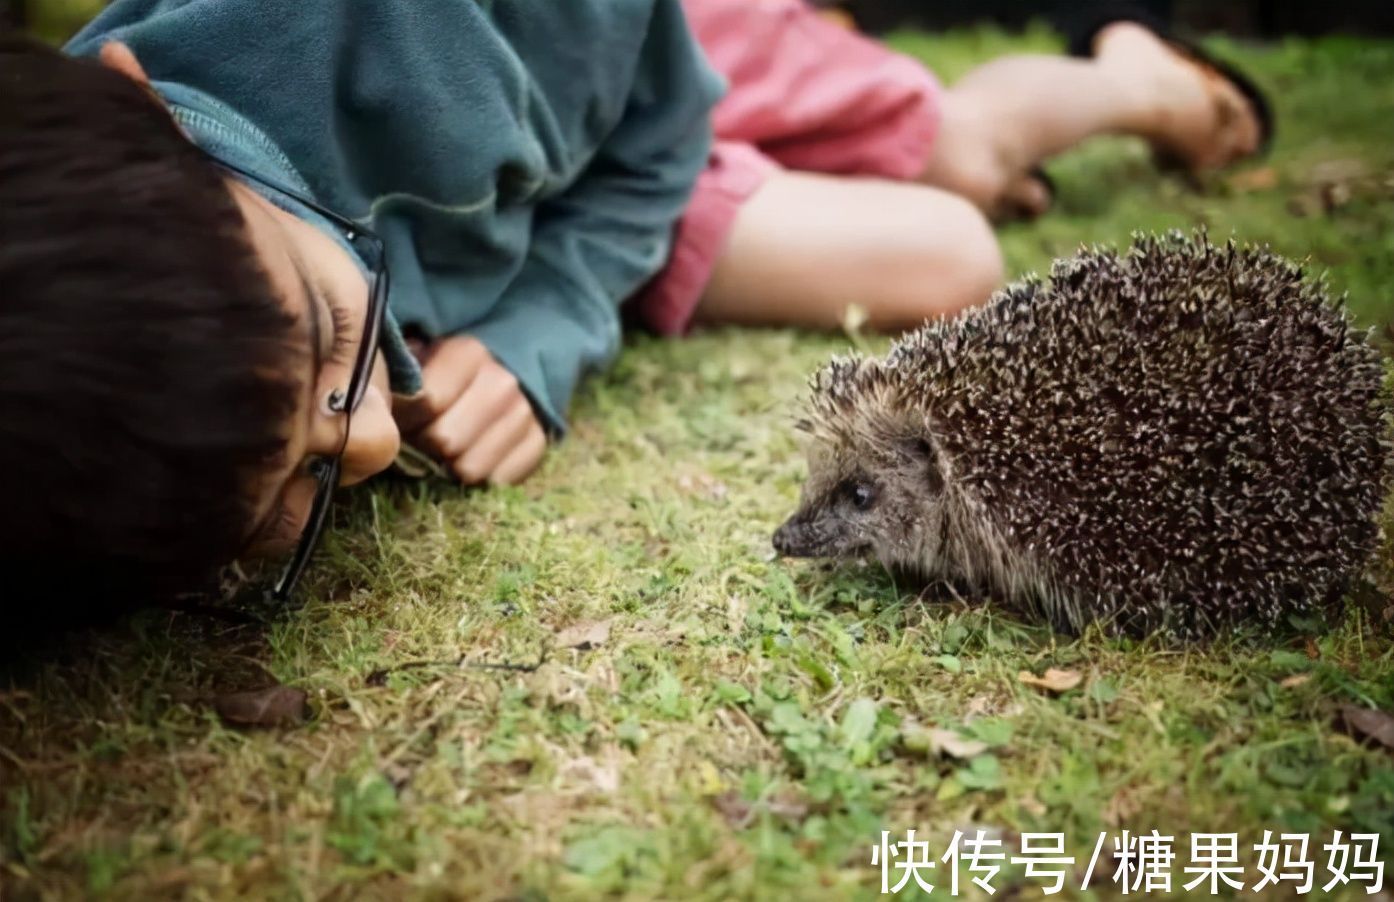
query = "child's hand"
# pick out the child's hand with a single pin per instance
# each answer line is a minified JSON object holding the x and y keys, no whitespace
{"x":472,"y":416}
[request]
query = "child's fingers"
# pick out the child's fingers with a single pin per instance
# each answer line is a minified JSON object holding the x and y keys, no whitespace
{"x":523,"y":459}
{"x":486,"y":399}
{"x":478,"y":463}
{"x":451,"y":365}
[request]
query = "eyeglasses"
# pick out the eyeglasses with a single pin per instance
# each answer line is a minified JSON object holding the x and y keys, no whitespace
{"x":326,"y":470}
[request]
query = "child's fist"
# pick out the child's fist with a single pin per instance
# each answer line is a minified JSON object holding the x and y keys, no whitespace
{"x":472,"y":416}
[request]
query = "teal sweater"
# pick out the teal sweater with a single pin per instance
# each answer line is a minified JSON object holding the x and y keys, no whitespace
{"x":524,"y":161}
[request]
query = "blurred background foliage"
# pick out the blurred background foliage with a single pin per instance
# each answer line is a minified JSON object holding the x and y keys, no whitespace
{"x":55,"y":20}
{"x":52,"y":20}
{"x":1247,"y":18}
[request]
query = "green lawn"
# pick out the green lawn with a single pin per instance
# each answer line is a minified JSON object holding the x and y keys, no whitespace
{"x":730,"y":726}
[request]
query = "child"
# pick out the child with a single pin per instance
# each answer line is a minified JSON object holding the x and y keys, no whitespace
{"x":196,"y":235}
{"x":810,"y":103}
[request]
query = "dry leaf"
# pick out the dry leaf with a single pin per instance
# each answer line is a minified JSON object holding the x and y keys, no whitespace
{"x":588,"y":775}
{"x":740,"y":813}
{"x":978,"y":706}
{"x":545,"y":814}
{"x":703,"y":484}
{"x":733,"y":807}
{"x":954,"y":744}
{"x":854,"y":318}
{"x":1032,"y":805}
{"x":788,"y":806}
{"x":1121,"y":808}
{"x":736,"y":608}
{"x":1053,"y":681}
{"x":585,"y":635}
{"x":274,"y":706}
{"x":1338,"y":170}
{"x":416,"y":464}
{"x":1335,"y":195}
{"x":1262,"y":179}
{"x":1304,"y":206}
{"x":1297,"y":679}
{"x":1370,"y":724}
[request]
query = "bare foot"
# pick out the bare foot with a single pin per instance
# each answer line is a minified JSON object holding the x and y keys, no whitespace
{"x":1192,"y":112}
{"x":969,"y":159}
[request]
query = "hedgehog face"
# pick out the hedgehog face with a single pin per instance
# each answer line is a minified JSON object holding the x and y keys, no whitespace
{"x":866,"y":494}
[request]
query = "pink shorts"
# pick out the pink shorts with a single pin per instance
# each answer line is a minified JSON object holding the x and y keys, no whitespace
{"x":805,"y":94}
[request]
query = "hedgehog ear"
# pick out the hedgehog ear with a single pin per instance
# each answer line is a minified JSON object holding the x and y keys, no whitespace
{"x":921,"y":449}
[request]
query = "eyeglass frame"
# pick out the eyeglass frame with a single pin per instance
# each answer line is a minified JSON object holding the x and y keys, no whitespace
{"x":327,"y":470}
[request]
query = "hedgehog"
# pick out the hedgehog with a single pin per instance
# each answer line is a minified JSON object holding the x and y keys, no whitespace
{"x":1186,"y":437}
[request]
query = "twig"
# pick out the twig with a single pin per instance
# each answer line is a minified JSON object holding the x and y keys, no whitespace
{"x":379,"y":677}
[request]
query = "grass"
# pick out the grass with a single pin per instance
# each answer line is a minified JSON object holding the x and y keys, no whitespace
{"x":730,"y":726}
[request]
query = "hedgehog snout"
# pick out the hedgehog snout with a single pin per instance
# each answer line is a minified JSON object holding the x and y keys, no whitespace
{"x":791,"y":539}
{"x":814,"y":535}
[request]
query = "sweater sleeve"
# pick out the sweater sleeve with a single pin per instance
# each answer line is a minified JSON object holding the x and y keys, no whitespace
{"x":595,"y":244}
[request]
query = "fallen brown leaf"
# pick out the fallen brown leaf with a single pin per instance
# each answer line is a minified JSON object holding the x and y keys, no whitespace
{"x":736,"y":608}
{"x":585,"y":635}
{"x":1369,"y":724}
{"x":1334,"y":195}
{"x":788,"y":806}
{"x":1121,"y":808}
{"x":732,"y":806}
{"x":416,"y":464}
{"x":1032,"y":805}
{"x":1054,"y":680}
{"x":274,"y":706}
{"x":1261,"y":179}
{"x":740,"y":813}
{"x":1338,"y":170}
{"x":1297,"y":679}
{"x":1304,"y":206}
{"x":955,"y":744}
{"x":545,"y":814}
{"x":930,"y":741}
{"x":854,"y":317}
{"x":978,"y":706}
{"x":586,"y":774}
{"x":703,"y":484}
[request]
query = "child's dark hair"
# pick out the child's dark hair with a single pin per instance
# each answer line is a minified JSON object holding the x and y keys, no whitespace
{"x":146,"y":367}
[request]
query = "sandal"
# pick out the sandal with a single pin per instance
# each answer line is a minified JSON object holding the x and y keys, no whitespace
{"x":1014,"y":210}
{"x":1082,"y":33}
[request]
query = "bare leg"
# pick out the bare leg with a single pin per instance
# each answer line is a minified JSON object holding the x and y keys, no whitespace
{"x":805,"y":247}
{"x":1005,"y":117}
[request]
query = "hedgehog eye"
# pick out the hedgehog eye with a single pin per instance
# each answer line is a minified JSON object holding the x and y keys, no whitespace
{"x":863,"y":496}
